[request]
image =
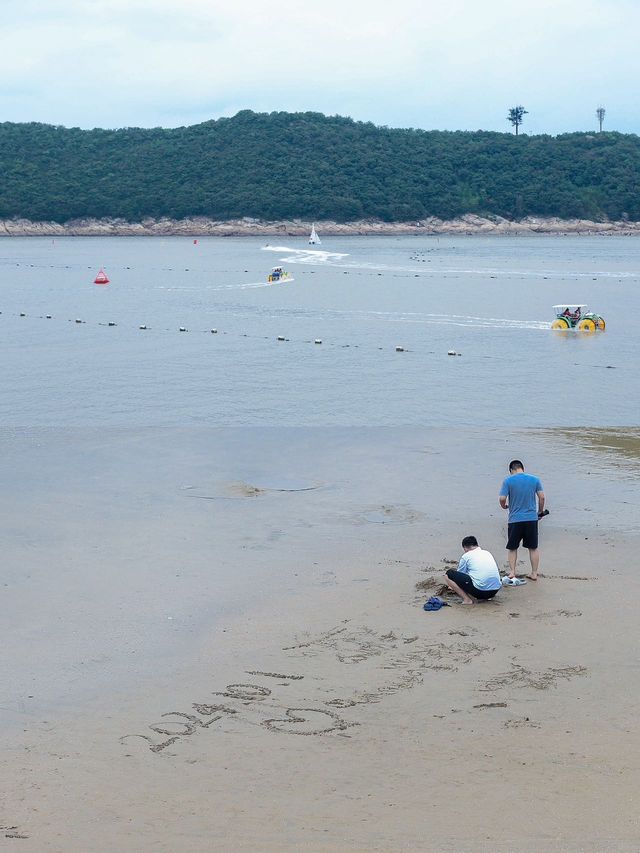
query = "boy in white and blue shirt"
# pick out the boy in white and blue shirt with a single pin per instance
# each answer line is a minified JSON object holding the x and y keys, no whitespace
{"x":477,"y":575}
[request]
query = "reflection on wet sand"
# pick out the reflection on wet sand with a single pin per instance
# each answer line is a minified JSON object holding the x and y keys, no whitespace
{"x":621,"y":445}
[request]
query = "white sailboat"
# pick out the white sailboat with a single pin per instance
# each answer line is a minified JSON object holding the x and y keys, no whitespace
{"x":314,"y":240}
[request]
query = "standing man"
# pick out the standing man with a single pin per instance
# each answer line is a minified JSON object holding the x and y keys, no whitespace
{"x":522,"y":495}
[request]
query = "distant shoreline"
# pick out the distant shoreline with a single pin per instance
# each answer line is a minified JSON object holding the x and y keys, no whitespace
{"x":249,"y":227}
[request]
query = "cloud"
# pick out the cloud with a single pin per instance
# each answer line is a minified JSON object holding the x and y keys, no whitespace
{"x":459,"y":64}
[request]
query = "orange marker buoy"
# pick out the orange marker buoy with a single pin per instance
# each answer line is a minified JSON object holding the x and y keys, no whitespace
{"x":101,"y":278}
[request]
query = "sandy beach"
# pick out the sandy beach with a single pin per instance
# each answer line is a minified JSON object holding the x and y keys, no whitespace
{"x":302,"y":699}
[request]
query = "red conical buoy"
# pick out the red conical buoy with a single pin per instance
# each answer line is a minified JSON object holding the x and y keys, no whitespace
{"x":101,"y":278}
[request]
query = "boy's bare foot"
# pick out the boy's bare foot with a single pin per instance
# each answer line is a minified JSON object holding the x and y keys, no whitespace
{"x":468,"y":602}
{"x":533,"y":577}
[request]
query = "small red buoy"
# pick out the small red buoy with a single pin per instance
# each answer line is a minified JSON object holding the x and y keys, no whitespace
{"x":195,"y":242}
{"x":101,"y":278}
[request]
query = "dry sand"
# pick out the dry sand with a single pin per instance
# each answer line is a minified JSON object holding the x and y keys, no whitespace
{"x":340,"y":716}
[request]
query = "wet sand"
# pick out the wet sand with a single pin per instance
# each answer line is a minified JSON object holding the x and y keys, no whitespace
{"x":215,"y":641}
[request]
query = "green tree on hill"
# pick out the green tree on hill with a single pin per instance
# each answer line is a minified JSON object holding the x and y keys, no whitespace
{"x":312,"y":167}
{"x":516,"y":116}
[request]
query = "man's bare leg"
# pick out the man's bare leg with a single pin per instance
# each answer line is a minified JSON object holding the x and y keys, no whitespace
{"x":534,"y":557}
{"x":453,"y":586}
{"x":513,"y":556}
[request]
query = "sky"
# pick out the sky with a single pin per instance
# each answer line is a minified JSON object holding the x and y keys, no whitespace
{"x":444,"y":65}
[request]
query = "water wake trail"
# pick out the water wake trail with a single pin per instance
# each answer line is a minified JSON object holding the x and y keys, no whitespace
{"x":307,"y":256}
{"x":464,"y":320}
{"x":220,"y":287}
{"x":336,"y":259}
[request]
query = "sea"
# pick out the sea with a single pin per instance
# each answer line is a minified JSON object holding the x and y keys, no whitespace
{"x":363,"y":335}
{"x":189,"y":443}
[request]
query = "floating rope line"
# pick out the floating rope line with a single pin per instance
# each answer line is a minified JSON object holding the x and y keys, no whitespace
{"x":210,"y":331}
{"x":480,"y":323}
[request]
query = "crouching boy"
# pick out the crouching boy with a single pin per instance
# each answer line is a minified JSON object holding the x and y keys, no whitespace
{"x":477,"y":575}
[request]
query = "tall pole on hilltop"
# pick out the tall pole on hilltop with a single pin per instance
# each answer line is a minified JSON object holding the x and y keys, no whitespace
{"x":600,"y":113}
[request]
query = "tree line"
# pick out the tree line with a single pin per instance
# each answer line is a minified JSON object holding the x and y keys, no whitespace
{"x":311,"y":166}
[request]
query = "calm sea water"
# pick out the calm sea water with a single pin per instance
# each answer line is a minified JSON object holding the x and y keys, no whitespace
{"x":488,"y":299}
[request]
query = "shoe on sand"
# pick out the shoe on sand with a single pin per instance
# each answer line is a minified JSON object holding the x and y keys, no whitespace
{"x":513,"y":581}
{"x":435,"y":603}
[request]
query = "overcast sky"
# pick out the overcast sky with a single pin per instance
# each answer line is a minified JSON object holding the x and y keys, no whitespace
{"x":450,"y":64}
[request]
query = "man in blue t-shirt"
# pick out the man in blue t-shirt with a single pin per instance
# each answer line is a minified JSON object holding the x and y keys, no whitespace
{"x":522,"y":495}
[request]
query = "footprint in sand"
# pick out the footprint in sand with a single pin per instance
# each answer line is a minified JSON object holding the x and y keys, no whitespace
{"x":566,"y":577}
{"x":388,"y":514}
{"x":521,"y":724}
{"x":567,"y":614}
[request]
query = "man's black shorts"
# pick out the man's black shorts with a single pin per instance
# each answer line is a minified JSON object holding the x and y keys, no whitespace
{"x":522,"y":531}
{"x":465,"y":583}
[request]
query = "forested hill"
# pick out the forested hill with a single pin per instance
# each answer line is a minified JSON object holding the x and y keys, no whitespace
{"x":307,"y":165}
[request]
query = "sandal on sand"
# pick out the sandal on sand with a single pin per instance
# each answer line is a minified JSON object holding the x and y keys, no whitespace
{"x":513,"y":581}
{"x":435,"y":603}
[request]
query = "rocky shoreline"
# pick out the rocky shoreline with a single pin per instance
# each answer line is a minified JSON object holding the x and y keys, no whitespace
{"x":246,"y":227}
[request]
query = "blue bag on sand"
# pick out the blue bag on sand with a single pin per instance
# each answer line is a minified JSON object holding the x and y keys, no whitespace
{"x":435,"y":603}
